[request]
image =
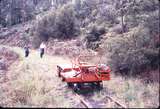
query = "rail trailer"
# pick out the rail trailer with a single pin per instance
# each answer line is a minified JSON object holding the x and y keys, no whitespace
{"x":79,"y":73}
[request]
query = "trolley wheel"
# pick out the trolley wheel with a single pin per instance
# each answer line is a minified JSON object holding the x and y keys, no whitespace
{"x":70,"y":84}
{"x":76,"y":87}
{"x":99,"y":85}
{"x":93,"y":85}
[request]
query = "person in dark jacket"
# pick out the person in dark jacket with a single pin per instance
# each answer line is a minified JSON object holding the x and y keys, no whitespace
{"x":26,"y":49}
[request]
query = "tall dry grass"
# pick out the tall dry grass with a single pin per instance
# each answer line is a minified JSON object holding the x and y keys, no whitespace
{"x":132,"y":92}
{"x":33,"y":82}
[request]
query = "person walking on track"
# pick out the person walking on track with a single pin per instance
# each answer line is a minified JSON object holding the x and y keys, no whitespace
{"x":26,"y":50}
{"x":42,"y":47}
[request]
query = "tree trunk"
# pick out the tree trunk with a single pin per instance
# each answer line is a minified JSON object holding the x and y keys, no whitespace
{"x":122,"y":20}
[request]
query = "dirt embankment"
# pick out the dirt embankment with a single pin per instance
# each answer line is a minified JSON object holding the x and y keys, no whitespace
{"x":18,"y":36}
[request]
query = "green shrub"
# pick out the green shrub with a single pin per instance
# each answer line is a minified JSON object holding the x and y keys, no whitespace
{"x":58,"y":24}
{"x":93,"y":35}
{"x":133,"y":53}
{"x":117,"y":29}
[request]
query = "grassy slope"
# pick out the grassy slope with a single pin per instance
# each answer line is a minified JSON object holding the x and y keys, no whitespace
{"x":33,"y":82}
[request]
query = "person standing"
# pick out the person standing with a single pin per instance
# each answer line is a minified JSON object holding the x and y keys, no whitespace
{"x":26,"y":50}
{"x":42,"y":47}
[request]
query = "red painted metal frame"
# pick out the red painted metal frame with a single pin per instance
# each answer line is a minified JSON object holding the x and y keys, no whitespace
{"x":84,"y":75}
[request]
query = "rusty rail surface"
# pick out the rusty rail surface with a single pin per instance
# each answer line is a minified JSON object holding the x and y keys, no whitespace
{"x":87,"y":104}
{"x":83,"y":101}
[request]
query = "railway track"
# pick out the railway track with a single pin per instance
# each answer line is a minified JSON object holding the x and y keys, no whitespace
{"x":87,"y":100}
{"x":108,"y":101}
